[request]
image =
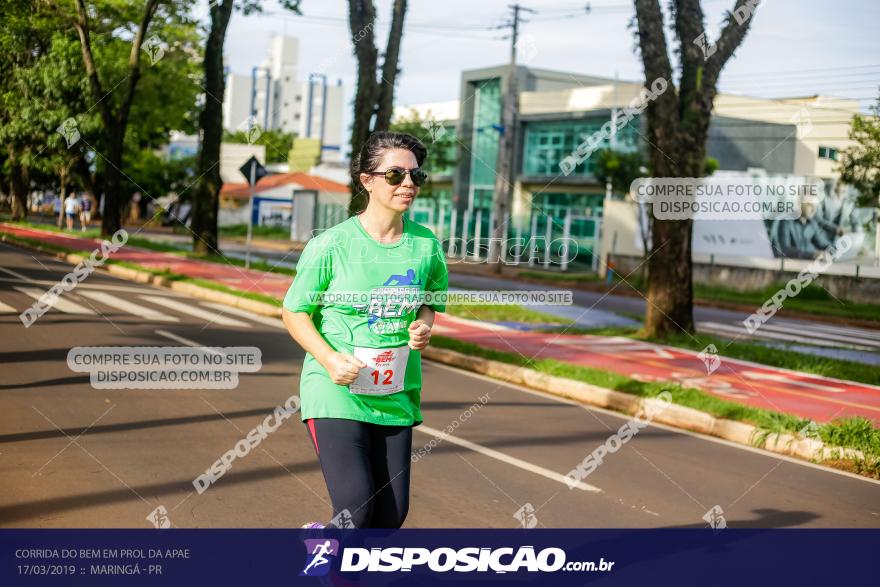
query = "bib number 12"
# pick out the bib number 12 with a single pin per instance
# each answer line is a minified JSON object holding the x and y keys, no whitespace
{"x":384,"y":373}
{"x":388,"y":374}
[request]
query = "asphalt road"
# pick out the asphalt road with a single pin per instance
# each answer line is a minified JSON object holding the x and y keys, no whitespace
{"x":74,"y":456}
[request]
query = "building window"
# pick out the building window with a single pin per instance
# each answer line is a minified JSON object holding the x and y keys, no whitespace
{"x":298,"y":98}
{"x":548,"y":143}
{"x":296,"y":116}
{"x":828,"y":153}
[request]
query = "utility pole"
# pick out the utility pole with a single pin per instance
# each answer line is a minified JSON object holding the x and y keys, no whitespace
{"x":506,"y":144}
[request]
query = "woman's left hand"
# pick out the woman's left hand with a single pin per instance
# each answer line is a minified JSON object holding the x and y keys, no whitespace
{"x":419,"y":335}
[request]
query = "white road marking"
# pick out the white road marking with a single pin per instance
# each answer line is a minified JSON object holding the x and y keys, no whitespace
{"x":17,"y":275}
{"x":821,"y":335}
{"x":276,"y":322}
{"x":192,"y":310}
{"x":184,"y":341}
{"x":619,"y":344}
{"x":99,"y":286}
{"x":526,"y":466}
{"x":761,"y":333}
{"x":782,"y":378}
{"x":7,"y":309}
{"x":137,"y":310}
{"x":835,"y":329}
{"x":58,"y":303}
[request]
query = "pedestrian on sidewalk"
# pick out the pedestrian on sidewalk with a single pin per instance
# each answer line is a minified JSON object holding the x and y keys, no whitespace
{"x":71,"y":209}
{"x":85,"y":216}
{"x":361,"y":381}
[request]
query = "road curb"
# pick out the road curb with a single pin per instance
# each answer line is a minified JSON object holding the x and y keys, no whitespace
{"x":672,"y":414}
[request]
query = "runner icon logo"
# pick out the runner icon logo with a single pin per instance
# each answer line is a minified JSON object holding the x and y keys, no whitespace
{"x":320,"y":552}
{"x":408,"y":279}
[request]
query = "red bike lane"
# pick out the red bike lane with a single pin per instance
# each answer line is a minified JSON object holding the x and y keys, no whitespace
{"x":809,"y":396}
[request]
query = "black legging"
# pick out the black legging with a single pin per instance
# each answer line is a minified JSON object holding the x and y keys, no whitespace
{"x":366,"y":468}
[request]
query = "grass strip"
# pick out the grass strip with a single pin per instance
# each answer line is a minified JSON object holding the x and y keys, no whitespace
{"x":855,"y":432}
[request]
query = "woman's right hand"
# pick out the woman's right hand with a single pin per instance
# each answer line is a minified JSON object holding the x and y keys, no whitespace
{"x":343,"y":368}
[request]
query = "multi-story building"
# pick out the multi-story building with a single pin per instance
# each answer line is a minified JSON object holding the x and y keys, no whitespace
{"x":277,"y":99}
{"x":558,"y":111}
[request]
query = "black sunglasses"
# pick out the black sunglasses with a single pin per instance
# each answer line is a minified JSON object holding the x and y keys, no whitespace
{"x":395,"y":175}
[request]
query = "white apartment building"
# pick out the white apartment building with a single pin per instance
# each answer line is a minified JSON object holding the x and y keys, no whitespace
{"x":278,"y":99}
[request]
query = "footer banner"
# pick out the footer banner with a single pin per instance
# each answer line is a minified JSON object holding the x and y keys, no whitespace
{"x":437,"y":557}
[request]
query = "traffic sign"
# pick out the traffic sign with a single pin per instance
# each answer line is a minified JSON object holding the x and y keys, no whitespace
{"x":253,"y":171}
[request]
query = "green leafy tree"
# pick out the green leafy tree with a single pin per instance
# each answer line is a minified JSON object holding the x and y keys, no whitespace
{"x":158,"y":175}
{"x":619,"y":168}
{"x":860,"y":163}
{"x":278,"y":143}
{"x":103,"y":21}
{"x":440,"y":141}
{"x":38,"y":90}
{"x":47,"y":91}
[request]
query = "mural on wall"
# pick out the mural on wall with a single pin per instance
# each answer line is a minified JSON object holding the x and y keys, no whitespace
{"x":821,"y":222}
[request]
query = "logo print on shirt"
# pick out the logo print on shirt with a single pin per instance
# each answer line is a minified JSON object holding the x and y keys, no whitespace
{"x":390,"y":303}
{"x":408,"y":279}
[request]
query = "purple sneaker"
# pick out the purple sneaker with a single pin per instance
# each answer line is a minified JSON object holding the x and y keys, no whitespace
{"x":313,"y":525}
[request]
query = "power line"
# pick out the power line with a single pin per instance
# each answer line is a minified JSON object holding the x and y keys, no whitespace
{"x":868,"y":77}
{"x":795,"y":71}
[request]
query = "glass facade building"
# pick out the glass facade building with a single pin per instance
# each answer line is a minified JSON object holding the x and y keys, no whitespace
{"x":484,"y":151}
{"x":547,"y":143}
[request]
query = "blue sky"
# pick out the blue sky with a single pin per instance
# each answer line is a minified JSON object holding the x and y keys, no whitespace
{"x":794,"y":47}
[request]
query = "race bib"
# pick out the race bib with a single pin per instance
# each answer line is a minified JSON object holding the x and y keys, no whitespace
{"x":384,"y":372}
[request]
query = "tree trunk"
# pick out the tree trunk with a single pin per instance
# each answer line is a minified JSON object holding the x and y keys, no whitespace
{"x":111,"y":219}
{"x":62,"y":193}
{"x":390,"y":69}
{"x":206,"y":197}
{"x":18,"y":180}
{"x":678,"y":122}
{"x":361,"y":18}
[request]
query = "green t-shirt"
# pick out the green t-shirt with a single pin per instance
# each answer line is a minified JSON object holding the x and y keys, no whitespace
{"x":382,"y":282}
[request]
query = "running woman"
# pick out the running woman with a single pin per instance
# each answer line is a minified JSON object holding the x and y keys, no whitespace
{"x":361,"y":381}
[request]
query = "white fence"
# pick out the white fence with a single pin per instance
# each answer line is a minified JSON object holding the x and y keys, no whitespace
{"x":552,"y":241}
